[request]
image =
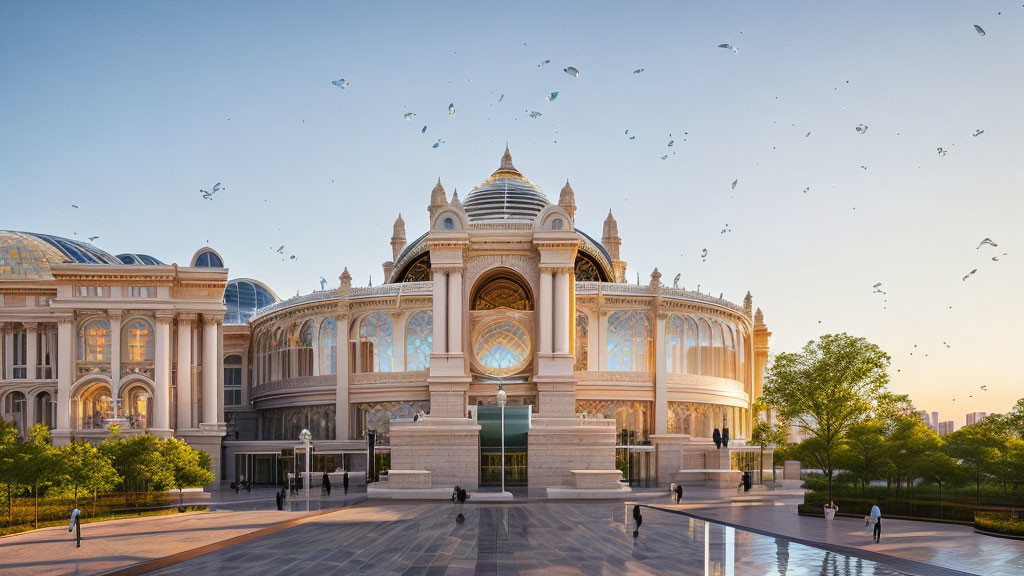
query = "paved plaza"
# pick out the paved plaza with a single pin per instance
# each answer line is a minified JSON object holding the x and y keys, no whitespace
{"x":528,"y":538}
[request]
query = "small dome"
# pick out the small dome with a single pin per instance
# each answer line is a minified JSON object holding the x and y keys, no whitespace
{"x":506,"y":195}
{"x":29,"y":256}
{"x":207,"y":258}
{"x":139,"y":260}
{"x":242,"y":297}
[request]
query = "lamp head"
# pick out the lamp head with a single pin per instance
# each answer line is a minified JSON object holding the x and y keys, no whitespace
{"x":305,"y":436}
{"x":501,"y":397}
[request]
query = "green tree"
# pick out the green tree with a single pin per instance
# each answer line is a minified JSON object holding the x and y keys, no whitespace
{"x":138,"y":461}
{"x":940,"y":468}
{"x":9,"y":472}
{"x":36,"y":463}
{"x":908,"y":444}
{"x":864,"y":455}
{"x":833,"y":383}
{"x":83,"y":467}
{"x":763,"y":435}
{"x":186,"y":466}
{"x":977,"y":448}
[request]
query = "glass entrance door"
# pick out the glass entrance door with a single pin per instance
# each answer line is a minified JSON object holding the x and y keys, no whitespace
{"x":517,"y":427}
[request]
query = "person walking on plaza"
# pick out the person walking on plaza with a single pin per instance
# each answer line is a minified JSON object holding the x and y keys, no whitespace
{"x":344,"y":481}
{"x":326,"y":484}
{"x":638,"y":518}
{"x":679,"y":493}
{"x":279,"y":498}
{"x":876,"y":519}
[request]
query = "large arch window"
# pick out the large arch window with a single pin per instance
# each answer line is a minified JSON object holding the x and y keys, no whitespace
{"x":138,"y":341}
{"x":419,"y":270}
{"x":328,"y":346}
{"x":718,"y":349}
{"x":502,"y":292}
{"x":419,"y":341}
{"x":730,"y":352}
{"x":704,"y":340}
{"x":585,"y":270}
{"x":582,"y":336}
{"x":44,"y":409}
{"x":376,"y":342}
{"x":305,"y":349}
{"x":675,"y":352}
{"x":629,"y":342}
{"x":690,"y":346}
{"x":94,"y":341}
{"x":137,"y":406}
{"x":288,"y":341}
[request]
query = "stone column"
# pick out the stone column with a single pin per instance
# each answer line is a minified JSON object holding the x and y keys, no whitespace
{"x":115,"y":354}
{"x":561,"y":318}
{"x":220,"y":370}
{"x":64,"y":367}
{"x":440,"y":312}
{"x":341,"y":405}
{"x":31,"y":356}
{"x":9,"y":352}
{"x":162,"y":397}
{"x":398,"y":321}
{"x":544,"y":305}
{"x":210,"y":369}
{"x":454,"y":312}
{"x":660,"y":378}
{"x":185,"y":371}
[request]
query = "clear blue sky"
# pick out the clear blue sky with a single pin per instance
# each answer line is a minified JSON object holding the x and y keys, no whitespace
{"x":128,"y":109}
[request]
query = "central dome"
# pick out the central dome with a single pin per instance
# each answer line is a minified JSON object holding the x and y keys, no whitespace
{"x":505,"y":195}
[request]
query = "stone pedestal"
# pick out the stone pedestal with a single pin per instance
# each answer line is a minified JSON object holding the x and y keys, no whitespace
{"x":447,"y":447}
{"x":669,"y":450}
{"x":558,"y":446}
{"x":791,"y":470}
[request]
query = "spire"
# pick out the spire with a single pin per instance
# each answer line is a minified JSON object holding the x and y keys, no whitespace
{"x":656,"y":279}
{"x":758,"y":317}
{"x":455,"y":199}
{"x":611,"y":227}
{"x":398,"y":240}
{"x":506,"y":160}
{"x":748,"y":303}
{"x":399,"y":230}
{"x":346,"y":281}
{"x":567,"y":200}
{"x":612,"y":243}
{"x":438,"y":198}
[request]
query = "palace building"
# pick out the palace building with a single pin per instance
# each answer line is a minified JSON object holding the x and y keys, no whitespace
{"x":602,"y":380}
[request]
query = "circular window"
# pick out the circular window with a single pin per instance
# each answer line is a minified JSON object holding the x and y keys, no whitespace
{"x":449,"y":224}
{"x":502,"y":347}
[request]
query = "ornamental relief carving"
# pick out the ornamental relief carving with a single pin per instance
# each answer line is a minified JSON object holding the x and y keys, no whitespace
{"x":526,"y":266}
{"x":368,"y":378}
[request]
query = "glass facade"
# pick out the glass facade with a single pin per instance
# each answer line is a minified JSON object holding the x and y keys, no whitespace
{"x":634,"y":419}
{"x":328,"y":346}
{"x":502,"y":347}
{"x":378,"y":416}
{"x":419,"y":341}
{"x":242,"y":298}
{"x":630,"y":344}
{"x":286,"y":423}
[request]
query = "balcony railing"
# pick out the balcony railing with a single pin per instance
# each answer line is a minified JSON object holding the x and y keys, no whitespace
{"x":83,"y":368}
{"x":295,"y":384}
{"x":141,"y":368}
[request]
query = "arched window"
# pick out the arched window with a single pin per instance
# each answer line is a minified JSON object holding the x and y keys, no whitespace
{"x":704,"y":338}
{"x":419,"y":341}
{"x":585,"y":270}
{"x":282,"y":366}
{"x":328,"y":346}
{"x":209,"y":259}
{"x":137,"y":406}
{"x":95,"y":406}
{"x":305,"y":349}
{"x":675,"y":358}
{"x":629,"y":342}
{"x":232,"y":380}
{"x":718,"y":349}
{"x":730,"y":352}
{"x":94,"y":341}
{"x":376,"y":341}
{"x":690,"y":347}
{"x":502,"y":292}
{"x":582,"y":339}
{"x":419,"y":270}
{"x":138,"y":341}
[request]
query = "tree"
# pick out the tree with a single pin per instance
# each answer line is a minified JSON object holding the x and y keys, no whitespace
{"x":864,"y":454}
{"x":830,"y":385}
{"x":764,"y":435}
{"x":908,"y":444}
{"x":36,"y":464}
{"x":138,"y":461}
{"x":975,"y":447}
{"x":186,"y":466}
{"x":83,"y":467}
{"x":940,"y":468}
{"x":9,"y":473}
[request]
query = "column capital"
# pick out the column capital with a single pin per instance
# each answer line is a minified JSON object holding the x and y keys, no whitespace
{"x":65,"y":319}
{"x":213,"y":318}
{"x":187,"y":318}
{"x":30,"y":325}
{"x":115,"y":314}
{"x":164,"y":316}
{"x":558,"y":269}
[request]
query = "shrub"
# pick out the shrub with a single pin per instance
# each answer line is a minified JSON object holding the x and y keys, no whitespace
{"x":1000,"y":523}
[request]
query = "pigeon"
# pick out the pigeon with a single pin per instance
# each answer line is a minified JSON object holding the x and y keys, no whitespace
{"x":878,"y":288}
{"x":543,"y":63}
{"x":91,"y":238}
{"x":552,"y":96}
{"x":424,"y":129}
{"x":535,"y":114}
{"x":978,"y":133}
{"x":986,"y":241}
{"x":638,"y":70}
{"x":409,"y":115}
{"x":862,"y":128}
{"x":735,"y":182}
{"x":969,"y":274}
{"x":74,"y":205}
{"x":500,"y":98}
{"x":735,"y":49}
{"x":280,"y":250}
{"x":572,"y":71}
{"x":979,"y":30}
{"x":704,"y":255}
{"x":451,"y":109}
{"x":340,"y":83}
{"x":996,"y":258}
{"x":942,"y":152}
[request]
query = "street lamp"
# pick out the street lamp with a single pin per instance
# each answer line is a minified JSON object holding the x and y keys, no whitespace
{"x":305,"y":437}
{"x":501,"y":402}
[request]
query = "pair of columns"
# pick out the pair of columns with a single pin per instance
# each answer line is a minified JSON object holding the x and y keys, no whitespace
{"x":211,"y":363}
{"x":553,"y":310}
{"x":31,"y":352}
{"x":448,"y":307}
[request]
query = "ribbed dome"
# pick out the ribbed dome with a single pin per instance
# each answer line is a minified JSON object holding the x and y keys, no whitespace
{"x":506,"y":195}
{"x":26,"y":255}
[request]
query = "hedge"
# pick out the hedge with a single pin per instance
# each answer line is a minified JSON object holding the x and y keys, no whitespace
{"x":1000,"y":523}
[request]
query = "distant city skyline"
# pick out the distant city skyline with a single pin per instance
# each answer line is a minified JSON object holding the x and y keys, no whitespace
{"x":128,"y":112}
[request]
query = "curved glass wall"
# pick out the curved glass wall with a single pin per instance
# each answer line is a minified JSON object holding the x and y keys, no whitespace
{"x":242,"y":298}
{"x":287,"y":423}
{"x":630,"y":345}
{"x":419,"y":341}
{"x":376,"y":342}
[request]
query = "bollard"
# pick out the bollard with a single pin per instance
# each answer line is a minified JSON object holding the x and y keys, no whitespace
{"x":76,"y":524}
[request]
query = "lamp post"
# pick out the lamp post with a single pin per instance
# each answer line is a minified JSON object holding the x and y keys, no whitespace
{"x":501,"y":402}
{"x":305,"y":438}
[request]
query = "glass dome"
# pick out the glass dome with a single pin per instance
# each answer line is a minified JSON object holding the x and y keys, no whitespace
{"x":505,"y":195}
{"x":28,"y":256}
{"x":243,"y":297}
{"x":139,"y":260}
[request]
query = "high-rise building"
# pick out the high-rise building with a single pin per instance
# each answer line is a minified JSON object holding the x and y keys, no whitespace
{"x":935,"y":420}
{"x":944,"y":428}
{"x":975,"y":417}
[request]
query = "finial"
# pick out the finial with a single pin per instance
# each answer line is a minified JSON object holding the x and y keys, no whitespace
{"x":656,"y":278}
{"x":567,"y":197}
{"x":759,"y":317}
{"x":346,"y":280}
{"x":748,"y":303}
{"x":455,"y":199}
{"x":506,"y":160}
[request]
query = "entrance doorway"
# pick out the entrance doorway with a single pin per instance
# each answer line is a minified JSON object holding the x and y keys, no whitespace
{"x":517,"y":428}
{"x":638,"y":465}
{"x":260,"y":468}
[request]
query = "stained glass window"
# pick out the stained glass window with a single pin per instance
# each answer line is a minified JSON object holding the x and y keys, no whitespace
{"x":328,"y":346}
{"x":419,"y":341}
{"x":377,"y":339}
{"x":94,"y":341}
{"x":502,"y":347}
{"x":502,"y":293}
{"x":585,"y":270}
{"x":704,"y":337}
{"x":137,"y":341}
{"x":582,"y":335}
{"x":629,"y":342}
{"x":675,"y":357}
{"x":418,"y":271}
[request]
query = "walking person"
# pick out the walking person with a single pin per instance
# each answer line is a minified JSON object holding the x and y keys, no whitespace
{"x":344,"y":481}
{"x":279,"y":498}
{"x":326,"y":484}
{"x":876,"y":519}
{"x":638,"y":518}
{"x":679,"y":493}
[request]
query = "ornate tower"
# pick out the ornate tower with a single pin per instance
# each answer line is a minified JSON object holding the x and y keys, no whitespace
{"x":398,"y":239}
{"x":438,"y":199}
{"x":567,"y":200}
{"x":610,"y":239}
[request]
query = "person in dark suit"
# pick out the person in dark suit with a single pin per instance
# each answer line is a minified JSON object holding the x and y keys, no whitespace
{"x":344,"y":481}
